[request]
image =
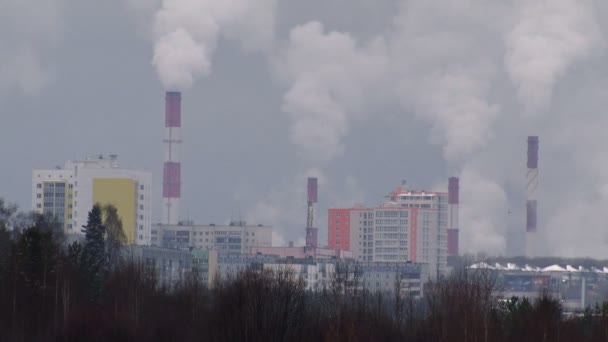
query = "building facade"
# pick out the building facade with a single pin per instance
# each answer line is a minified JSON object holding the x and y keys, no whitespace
{"x":169,"y":265}
{"x":319,"y":274}
{"x":409,"y":226}
{"x":69,"y":193}
{"x":236,"y":237}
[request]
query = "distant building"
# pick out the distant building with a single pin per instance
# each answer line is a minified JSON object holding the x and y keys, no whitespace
{"x":302,"y":252}
{"x":319,"y":274}
{"x":170,"y":265}
{"x":409,"y":226}
{"x":69,"y":193}
{"x":236,"y":237}
{"x":576,"y":287}
{"x":204,"y":265}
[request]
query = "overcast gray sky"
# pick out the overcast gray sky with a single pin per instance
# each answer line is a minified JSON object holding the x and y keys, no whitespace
{"x":362,"y":93}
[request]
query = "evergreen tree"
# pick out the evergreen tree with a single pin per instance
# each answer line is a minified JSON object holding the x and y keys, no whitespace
{"x":93,"y":259}
{"x":115,"y":235}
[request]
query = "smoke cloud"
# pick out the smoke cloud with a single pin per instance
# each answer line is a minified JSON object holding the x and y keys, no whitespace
{"x":547,"y":38}
{"x":331,"y":75}
{"x":441,"y":73}
{"x":458,"y":66}
{"x":187,"y":33}
{"x":26,"y":28}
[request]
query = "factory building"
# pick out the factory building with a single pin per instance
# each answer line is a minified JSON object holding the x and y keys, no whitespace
{"x":69,"y":193}
{"x":236,"y":237}
{"x":411,"y":225}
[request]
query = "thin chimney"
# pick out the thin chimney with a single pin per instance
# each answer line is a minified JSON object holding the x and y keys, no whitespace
{"x":311,"y":228}
{"x":172,"y":166}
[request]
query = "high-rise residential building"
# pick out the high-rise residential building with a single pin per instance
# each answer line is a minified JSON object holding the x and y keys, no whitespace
{"x":409,"y":226}
{"x":69,"y":193}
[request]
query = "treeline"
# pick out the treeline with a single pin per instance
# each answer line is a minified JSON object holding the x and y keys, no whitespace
{"x":52,"y":290}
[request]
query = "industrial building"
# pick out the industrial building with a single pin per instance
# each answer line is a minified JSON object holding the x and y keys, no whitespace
{"x":576,"y":287}
{"x":319,"y":274}
{"x":411,"y":225}
{"x":69,"y":193}
{"x":236,"y":237}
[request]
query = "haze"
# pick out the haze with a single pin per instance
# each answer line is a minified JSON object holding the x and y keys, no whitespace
{"x":360,"y":93}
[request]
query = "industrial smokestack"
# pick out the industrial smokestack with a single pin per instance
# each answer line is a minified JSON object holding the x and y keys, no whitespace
{"x":172,"y":166}
{"x":531,"y":217}
{"x":453,"y":200}
{"x":311,"y":228}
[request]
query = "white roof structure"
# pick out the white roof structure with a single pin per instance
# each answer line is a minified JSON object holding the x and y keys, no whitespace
{"x":482,"y":265}
{"x":571,"y":269}
{"x":554,"y":268}
{"x":528,"y":268}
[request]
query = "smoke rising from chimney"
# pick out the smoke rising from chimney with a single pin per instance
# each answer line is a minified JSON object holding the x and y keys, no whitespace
{"x":187,"y":33}
{"x":331,"y":77}
{"x":548,"y":37}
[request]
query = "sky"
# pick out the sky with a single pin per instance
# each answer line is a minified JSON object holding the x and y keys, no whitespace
{"x":360,"y":93}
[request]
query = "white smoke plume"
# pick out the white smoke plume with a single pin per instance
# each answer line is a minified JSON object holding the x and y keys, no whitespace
{"x":547,"y":38}
{"x":481,"y":231}
{"x":331,"y":76}
{"x":431,"y":66}
{"x":285,"y":208}
{"x":187,"y":33}
{"x":442,"y":75}
{"x":26,"y":28}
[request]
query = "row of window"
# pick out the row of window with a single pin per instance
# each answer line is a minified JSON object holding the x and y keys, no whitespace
{"x":392,"y":213}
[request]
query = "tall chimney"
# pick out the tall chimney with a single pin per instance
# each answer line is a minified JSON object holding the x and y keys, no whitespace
{"x":311,"y":229}
{"x":172,"y":166}
{"x":453,"y":200}
{"x":531,"y":216}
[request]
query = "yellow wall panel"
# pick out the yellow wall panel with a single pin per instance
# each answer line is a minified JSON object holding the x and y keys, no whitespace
{"x":120,"y":192}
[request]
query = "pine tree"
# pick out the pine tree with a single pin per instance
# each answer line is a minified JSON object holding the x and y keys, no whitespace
{"x":93,"y":261}
{"x":115,"y":235}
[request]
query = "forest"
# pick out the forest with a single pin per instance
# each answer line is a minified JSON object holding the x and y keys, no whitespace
{"x":52,"y":290}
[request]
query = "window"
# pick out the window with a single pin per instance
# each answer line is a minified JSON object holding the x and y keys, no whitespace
{"x":38,"y":195}
{"x":141,"y":227}
{"x":39,"y":186}
{"x":141,"y":187}
{"x":141,"y":197}
{"x":141,"y":207}
{"x":141,"y":217}
{"x":38,"y":206}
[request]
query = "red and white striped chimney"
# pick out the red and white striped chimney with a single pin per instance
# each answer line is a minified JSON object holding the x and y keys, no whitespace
{"x":453,"y":199}
{"x":172,"y":166}
{"x":311,"y":227}
{"x":531,"y":216}
{"x":532,"y":183}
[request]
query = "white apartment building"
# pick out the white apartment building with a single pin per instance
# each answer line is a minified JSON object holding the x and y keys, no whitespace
{"x":409,"y":226}
{"x":236,"y":237}
{"x":69,"y":193}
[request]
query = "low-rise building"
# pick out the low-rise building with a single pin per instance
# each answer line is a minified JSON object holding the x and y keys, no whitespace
{"x":236,"y":237}
{"x":322,"y":273}
{"x":170,"y":265}
{"x":302,"y":252}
